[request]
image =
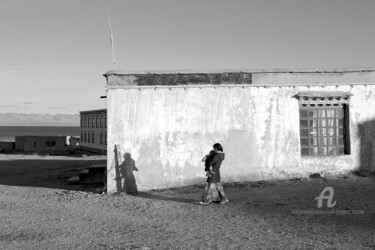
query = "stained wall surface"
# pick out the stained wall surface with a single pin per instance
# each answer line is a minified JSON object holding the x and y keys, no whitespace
{"x":168,"y":131}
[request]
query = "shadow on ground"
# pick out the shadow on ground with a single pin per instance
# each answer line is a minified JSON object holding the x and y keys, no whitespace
{"x":166,"y":198}
{"x":46,"y":173}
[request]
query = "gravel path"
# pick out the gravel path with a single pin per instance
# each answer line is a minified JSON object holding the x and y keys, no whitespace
{"x":258,"y":216}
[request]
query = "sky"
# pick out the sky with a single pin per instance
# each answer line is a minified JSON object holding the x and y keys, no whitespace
{"x":53,"y":53}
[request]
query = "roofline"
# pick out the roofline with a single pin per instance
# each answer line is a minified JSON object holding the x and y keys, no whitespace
{"x":252,"y":71}
{"x":94,"y":111}
{"x":39,"y":136}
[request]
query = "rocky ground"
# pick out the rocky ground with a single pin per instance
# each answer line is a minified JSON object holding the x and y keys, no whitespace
{"x":38,"y":210}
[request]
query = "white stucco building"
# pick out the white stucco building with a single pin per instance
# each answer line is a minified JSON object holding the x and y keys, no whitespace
{"x":280,"y":124}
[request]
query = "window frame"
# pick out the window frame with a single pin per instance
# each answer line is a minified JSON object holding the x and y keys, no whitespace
{"x":324,"y":130}
{"x":324,"y":123}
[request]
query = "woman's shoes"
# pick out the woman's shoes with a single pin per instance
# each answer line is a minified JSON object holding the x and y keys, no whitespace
{"x":204,"y":203}
{"x":224,"y":201}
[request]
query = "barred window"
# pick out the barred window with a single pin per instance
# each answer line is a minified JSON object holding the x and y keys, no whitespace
{"x":324,"y":126}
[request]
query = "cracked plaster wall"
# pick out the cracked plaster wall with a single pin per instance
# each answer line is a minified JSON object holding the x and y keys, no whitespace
{"x":168,"y":132}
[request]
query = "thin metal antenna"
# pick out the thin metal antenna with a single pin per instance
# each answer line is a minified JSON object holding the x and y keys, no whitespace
{"x":111,"y":39}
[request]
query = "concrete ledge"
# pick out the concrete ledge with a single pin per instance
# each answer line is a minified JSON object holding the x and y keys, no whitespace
{"x":125,"y":79}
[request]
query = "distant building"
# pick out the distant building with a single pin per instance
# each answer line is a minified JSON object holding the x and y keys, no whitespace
{"x":6,"y":146}
{"x":94,"y":130}
{"x":41,"y":144}
{"x":73,"y":141}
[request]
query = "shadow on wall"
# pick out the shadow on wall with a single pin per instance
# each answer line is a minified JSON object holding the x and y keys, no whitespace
{"x":366,"y":133}
{"x":125,"y":180}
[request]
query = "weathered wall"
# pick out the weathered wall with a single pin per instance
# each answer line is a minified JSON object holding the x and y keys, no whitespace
{"x":7,"y":146}
{"x":168,"y":131}
{"x":38,"y":144}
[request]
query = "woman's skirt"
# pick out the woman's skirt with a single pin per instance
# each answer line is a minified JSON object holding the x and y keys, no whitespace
{"x":213,"y":192}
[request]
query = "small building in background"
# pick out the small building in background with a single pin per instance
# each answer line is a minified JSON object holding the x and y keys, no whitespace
{"x":41,"y":144}
{"x":94,"y":130}
{"x":73,"y":141}
{"x":6,"y":146}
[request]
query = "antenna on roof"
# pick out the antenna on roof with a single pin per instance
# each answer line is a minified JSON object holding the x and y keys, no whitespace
{"x":111,"y":39}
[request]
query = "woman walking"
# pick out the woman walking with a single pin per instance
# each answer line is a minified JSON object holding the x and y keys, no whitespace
{"x":214,"y":189}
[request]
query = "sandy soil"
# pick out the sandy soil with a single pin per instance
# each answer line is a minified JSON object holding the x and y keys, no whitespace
{"x":38,"y":210}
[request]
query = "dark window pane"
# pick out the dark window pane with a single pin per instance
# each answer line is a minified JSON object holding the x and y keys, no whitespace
{"x":339,"y":113}
{"x":331,"y":140}
{"x":340,"y":141}
{"x":330,"y":113}
{"x":323,"y":141}
{"x":332,"y":151}
{"x":340,"y":150}
{"x":340,"y":122}
{"x":314,"y":151}
{"x":305,"y":151}
{"x":304,"y":142}
{"x":304,"y":132}
{"x":303,"y":113}
{"x":313,"y":113}
{"x":304,"y":123}
{"x":322,"y":151}
{"x":314,"y":141}
{"x":312,"y":123}
{"x":340,"y":132}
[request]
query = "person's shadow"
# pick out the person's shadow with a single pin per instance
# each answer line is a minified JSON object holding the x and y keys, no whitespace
{"x":128,"y":183}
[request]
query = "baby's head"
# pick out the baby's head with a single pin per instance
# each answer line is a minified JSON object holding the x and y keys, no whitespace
{"x":127,"y":155}
{"x":212,"y":152}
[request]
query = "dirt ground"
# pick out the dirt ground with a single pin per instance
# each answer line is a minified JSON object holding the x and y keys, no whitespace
{"x":39,"y":210}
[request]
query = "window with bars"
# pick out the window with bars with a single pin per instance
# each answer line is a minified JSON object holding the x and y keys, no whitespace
{"x":324,"y":123}
{"x":322,"y":130}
